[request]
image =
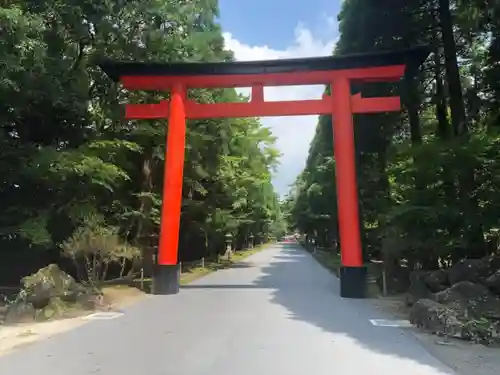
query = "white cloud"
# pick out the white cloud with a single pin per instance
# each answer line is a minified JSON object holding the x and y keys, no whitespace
{"x":294,"y":134}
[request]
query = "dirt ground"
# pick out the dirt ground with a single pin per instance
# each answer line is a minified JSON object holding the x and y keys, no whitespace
{"x":462,"y":356}
{"x":15,"y":336}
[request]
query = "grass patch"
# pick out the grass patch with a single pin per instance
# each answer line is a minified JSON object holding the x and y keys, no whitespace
{"x":329,"y":260}
{"x":191,"y":273}
{"x":239,"y":256}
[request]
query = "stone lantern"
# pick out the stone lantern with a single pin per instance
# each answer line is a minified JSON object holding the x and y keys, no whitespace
{"x":229,"y":243}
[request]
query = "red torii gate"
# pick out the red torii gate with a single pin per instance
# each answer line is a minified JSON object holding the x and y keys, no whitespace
{"x":336,"y":71}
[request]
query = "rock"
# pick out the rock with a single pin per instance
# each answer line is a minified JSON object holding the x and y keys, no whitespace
{"x":473,"y":270}
{"x":57,"y":308}
{"x":51,"y":293}
{"x":462,"y":290}
{"x":418,"y":288}
{"x":18,"y":312}
{"x":443,"y":320}
{"x":47,"y":283}
{"x":493,"y":282}
{"x":436,"y":318}
{"x":470,"y":300}
{"x":494,"y":262}
{"x":464,"y":270}
{"x":436,"y":281}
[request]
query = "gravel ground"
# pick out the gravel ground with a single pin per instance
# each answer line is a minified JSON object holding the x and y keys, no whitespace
{"x":463,"y":357}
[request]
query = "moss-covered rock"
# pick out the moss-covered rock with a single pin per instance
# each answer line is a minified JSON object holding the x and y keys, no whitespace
{"x":47,"y":283}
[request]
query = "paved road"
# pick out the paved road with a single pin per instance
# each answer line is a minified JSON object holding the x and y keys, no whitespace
{"x":278,"y":313}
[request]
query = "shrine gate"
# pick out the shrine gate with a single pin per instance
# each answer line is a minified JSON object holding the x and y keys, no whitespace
{"x":337,"y":71}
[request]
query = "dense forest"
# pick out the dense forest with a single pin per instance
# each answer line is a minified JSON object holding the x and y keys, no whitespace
{"x":428,"y":177}
{"x":77,"y":178}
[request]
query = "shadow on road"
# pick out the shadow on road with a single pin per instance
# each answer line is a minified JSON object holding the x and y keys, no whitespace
{"x":241,"y":265}
{"x":216,"y":286}
{"x":170,"y":325}
{"x":320,"y":304}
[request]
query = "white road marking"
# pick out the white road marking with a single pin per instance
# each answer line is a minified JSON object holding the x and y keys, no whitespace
{"x":103,"y":316}
{"x":391,"y":323}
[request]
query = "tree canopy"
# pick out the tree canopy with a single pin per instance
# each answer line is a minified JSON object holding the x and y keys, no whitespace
{"x":427,"y":181}
{"x":69,"y":160}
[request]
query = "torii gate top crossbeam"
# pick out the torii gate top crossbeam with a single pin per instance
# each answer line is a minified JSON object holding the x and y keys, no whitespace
{"x":285,"y":72}
{"x":373,"y":67}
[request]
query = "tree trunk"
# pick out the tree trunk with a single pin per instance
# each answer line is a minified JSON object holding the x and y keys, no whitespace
{"x":457,"y":107}
{"x":443,"y":129}
{"x":474,"y":232}
{"x":413,"y":105}
{"x":145,"y":207}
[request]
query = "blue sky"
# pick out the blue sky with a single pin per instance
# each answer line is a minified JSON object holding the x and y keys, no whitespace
{"x":273,"y":29}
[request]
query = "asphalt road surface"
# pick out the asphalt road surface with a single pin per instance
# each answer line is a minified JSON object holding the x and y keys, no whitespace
{"x":277,"y":313}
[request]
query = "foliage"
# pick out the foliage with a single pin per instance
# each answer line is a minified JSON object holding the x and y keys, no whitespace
{"x":96,"y":247}
{"x":429,"y":189}
{"x":66,"y":153}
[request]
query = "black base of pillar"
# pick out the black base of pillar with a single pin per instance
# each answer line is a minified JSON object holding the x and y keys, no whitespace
{"x":166,"y":280}
{"x":353,"y":282}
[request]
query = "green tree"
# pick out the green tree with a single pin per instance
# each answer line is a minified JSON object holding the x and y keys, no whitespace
{"x":68,"y":155}
{"x":427,"y":190}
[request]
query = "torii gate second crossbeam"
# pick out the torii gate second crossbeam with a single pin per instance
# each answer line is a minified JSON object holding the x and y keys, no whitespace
{"x":337,"y":71}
